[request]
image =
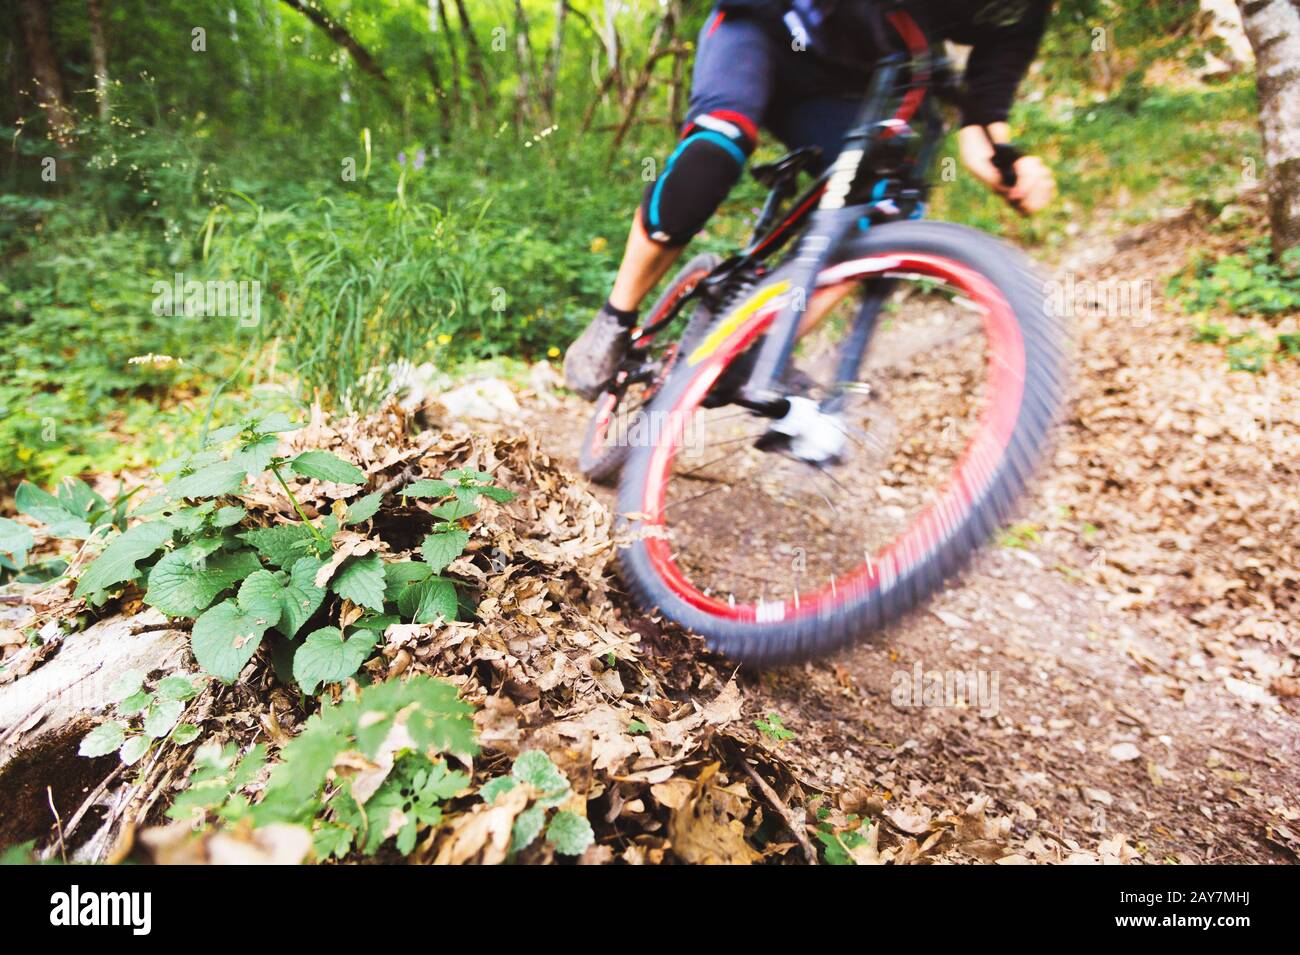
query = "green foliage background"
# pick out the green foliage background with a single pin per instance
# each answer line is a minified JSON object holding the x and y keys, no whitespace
{"x":230,"y":164}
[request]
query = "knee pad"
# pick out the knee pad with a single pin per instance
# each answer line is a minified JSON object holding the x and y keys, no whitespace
{"x":697,"y":177}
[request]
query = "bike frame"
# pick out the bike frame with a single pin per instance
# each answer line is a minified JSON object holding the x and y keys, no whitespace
{"x":870,"y":182}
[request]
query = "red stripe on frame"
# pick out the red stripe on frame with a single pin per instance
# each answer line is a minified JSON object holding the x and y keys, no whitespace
{"x":717,"y":22}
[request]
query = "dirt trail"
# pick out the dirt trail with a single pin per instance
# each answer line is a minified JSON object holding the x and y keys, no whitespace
{"x":1137,"y":656}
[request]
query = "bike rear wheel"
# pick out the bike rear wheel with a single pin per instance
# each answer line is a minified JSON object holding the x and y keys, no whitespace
{"x":617,"y":420}
{"x":736,"y":544}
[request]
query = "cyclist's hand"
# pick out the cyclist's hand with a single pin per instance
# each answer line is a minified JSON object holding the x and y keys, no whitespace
{"x":1035,"y":186}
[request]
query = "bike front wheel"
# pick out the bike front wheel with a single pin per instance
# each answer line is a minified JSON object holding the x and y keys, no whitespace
{"x":772,"y":559}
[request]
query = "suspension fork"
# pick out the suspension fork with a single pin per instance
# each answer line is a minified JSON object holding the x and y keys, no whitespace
{"x":854,"y":347}
{"x":829,"y":224}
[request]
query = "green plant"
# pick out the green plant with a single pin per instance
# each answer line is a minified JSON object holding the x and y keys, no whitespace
{"x":567,"y":831}
{"x":215,"y":787}
{"x":197,"y":555}
{"x":839,"y":842}
{"x":1019,"y":535}
{"x":1249,"y":353}
{"x":1248,"y":283}
{"x":773,"y":727}
{"x":1211,"y":333}
{"x":74,"y":512}
{"x":371,"y":767}
{"x":157,"y":712}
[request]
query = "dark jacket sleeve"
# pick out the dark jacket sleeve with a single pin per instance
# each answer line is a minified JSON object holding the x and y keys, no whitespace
{"x":999,"y":59}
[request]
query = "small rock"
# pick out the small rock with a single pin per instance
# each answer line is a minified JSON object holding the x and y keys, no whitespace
{"x":1123,"y":752}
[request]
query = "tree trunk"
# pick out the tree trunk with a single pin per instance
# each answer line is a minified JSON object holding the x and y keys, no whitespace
{"x":613,"y":47}
{"x":34,"y":17}
{"x":99,"y":55}
{"x":439,"y":93}
{"x":340,"y":35}
{"x":660,"y":46}
{"x":452,"y":52}
{"x":474,"y":56}
{"x":552,"y":73}
{"x":676,"y":99}
{"x":1273,"y":27}
{"x":524,"y":54}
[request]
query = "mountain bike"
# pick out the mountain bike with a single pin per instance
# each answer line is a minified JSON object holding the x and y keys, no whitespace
{"x":782,"y":522}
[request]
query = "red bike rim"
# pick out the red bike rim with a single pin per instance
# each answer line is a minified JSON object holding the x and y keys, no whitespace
{"x":969,"y":482}
{"x":608,"y":402}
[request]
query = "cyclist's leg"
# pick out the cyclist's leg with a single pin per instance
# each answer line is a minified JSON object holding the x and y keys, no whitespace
{"x":731,"y":87}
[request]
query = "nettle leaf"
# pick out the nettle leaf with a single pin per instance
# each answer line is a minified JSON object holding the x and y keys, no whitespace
{"x":15,"y":539}
{"x":455,"y":510}
{"x":361,"y":580}
{"x":535,"y":768}
{"x":427,"y":487}
{"x":184,"y":582}
{"x":176,"y":688}
{"x":301,"y":597}
{"x":228,"y":516}
{"x":188,"y":520}
{"x":570,"y":833}
{"x":377,"y":621}
{"x":401,"y":574}
{"x":280,"y":544}
{"x":135,"y":703}
{"x":125,"y":685}
{"x":134,"y":748}
{"x":325,"y":657}
{"x":495,"y":787}
{"x":363,"y":509}
{"x":79,"y":498}
{"x":274,"y":423}
{"x":103,"y":739}
{"x":116,"y":564}
{"x":48,"y":509}
{"x":223,"y":434}
{"x":185,"y":733}
{"x":256,"y":455}
{"x":428,"y":600}
{"x":215,"y":480}
{"x":327,"y":467}
{"x":160,"y":719}
{"x":528,"y":826}
{"x":468,"y":476}
{"x":442,"y":548}
{"x":226,"y":636}
{"x":498,"y":494}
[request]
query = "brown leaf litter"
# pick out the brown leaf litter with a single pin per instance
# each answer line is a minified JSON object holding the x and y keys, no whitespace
{"x":649,"y":733}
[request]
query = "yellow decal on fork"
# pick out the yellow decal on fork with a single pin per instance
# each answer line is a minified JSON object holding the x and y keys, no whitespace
{"x":735,"y":320}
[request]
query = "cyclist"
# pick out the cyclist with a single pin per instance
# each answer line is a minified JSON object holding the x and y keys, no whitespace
{"x":799,"y":68}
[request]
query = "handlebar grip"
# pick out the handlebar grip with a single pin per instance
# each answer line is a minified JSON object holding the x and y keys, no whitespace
{"x":1004,"y":159}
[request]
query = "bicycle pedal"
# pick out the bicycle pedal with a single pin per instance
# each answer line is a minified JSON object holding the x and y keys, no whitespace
{"x":807,"y":433}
